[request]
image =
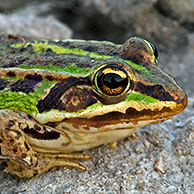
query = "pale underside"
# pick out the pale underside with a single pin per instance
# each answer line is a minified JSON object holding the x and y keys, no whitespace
{"x":77,"y":138}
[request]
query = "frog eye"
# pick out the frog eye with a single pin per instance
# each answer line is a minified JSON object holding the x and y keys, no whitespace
{"x":111,"y":80}
{"x":153,"y":49}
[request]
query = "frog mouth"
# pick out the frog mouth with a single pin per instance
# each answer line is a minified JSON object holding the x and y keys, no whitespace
{"x":117,"y":120}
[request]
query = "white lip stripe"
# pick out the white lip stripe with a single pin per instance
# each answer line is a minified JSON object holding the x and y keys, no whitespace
{"x":57,"y":116}
{"x":80,"y":128}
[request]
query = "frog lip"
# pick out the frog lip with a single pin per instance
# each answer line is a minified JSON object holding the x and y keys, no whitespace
{"x":132,"y":118}
{"x":183,"y":102}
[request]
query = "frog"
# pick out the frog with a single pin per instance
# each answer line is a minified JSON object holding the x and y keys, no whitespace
{"x":59,"y":98}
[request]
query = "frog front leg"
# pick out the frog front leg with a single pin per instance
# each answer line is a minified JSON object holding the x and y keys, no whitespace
{"x":18,"y":156}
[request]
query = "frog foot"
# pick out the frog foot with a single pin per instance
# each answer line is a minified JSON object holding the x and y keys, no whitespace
{"x":22,"y":169}
{"x":20,"y":159}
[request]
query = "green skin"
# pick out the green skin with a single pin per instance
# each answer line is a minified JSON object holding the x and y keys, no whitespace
{"x":57,"y":97}
{"x":37,"y":49}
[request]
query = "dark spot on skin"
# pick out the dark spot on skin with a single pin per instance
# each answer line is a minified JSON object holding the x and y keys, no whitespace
{"x":22,"y":116}
{"x":11,"y":141}
{"x":54,"y":95}
{"x":4,"y":164}
{"x":23,"y":86}
{"x":47,"y":135}
{"x":29,"y":117}
{"x":0,"y":151}
{"x":53,"y":98}
{"x":1,"y":140}
{"x":26,"y":146}
{"x":91,"y":48}
{"x":18,"y":136}
{"x":11,"y":123}
{"x":7,"y":129}
{"x":136,"y":59}
{"x":21,"y":60}
{"x":35,"y":172}
{"x":3,"y":84}
{"x":37,"y":127}
{"x":50,"y":78}
{"x":75,"y":99}
{"x":36,"y":163}
{"x":23,"y":49}
{"x":30,"y":45}
{"x":35,"y":77}
{"x":11,"y":64}
{"x":156,"y":91}
{"x":11,"y":74}
{"x":24,"y":155}
{"x":44,"y":128}
{"x":54,"y":125}
{"x":50,"y":52}
{"x":27,"y":85}
{"x":15,"y":150}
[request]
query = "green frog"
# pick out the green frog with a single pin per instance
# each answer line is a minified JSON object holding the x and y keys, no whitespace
{"x":58,"y":98}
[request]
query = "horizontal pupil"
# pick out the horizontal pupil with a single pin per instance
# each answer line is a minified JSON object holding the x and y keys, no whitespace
{"x":113,"y":81}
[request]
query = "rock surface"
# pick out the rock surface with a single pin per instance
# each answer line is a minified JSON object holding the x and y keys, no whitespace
{"x":27,"y":22}
{"x":161,"y":159}
{"x":181,"y":10}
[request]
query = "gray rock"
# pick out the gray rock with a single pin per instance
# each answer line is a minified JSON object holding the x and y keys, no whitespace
{"x":143,"y":18}
{"x":166,"y":32}
{"x":7,"y":6}
{"x":27,"y":22}
{"x":180,"y":10}
{"x":119,"y":10}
